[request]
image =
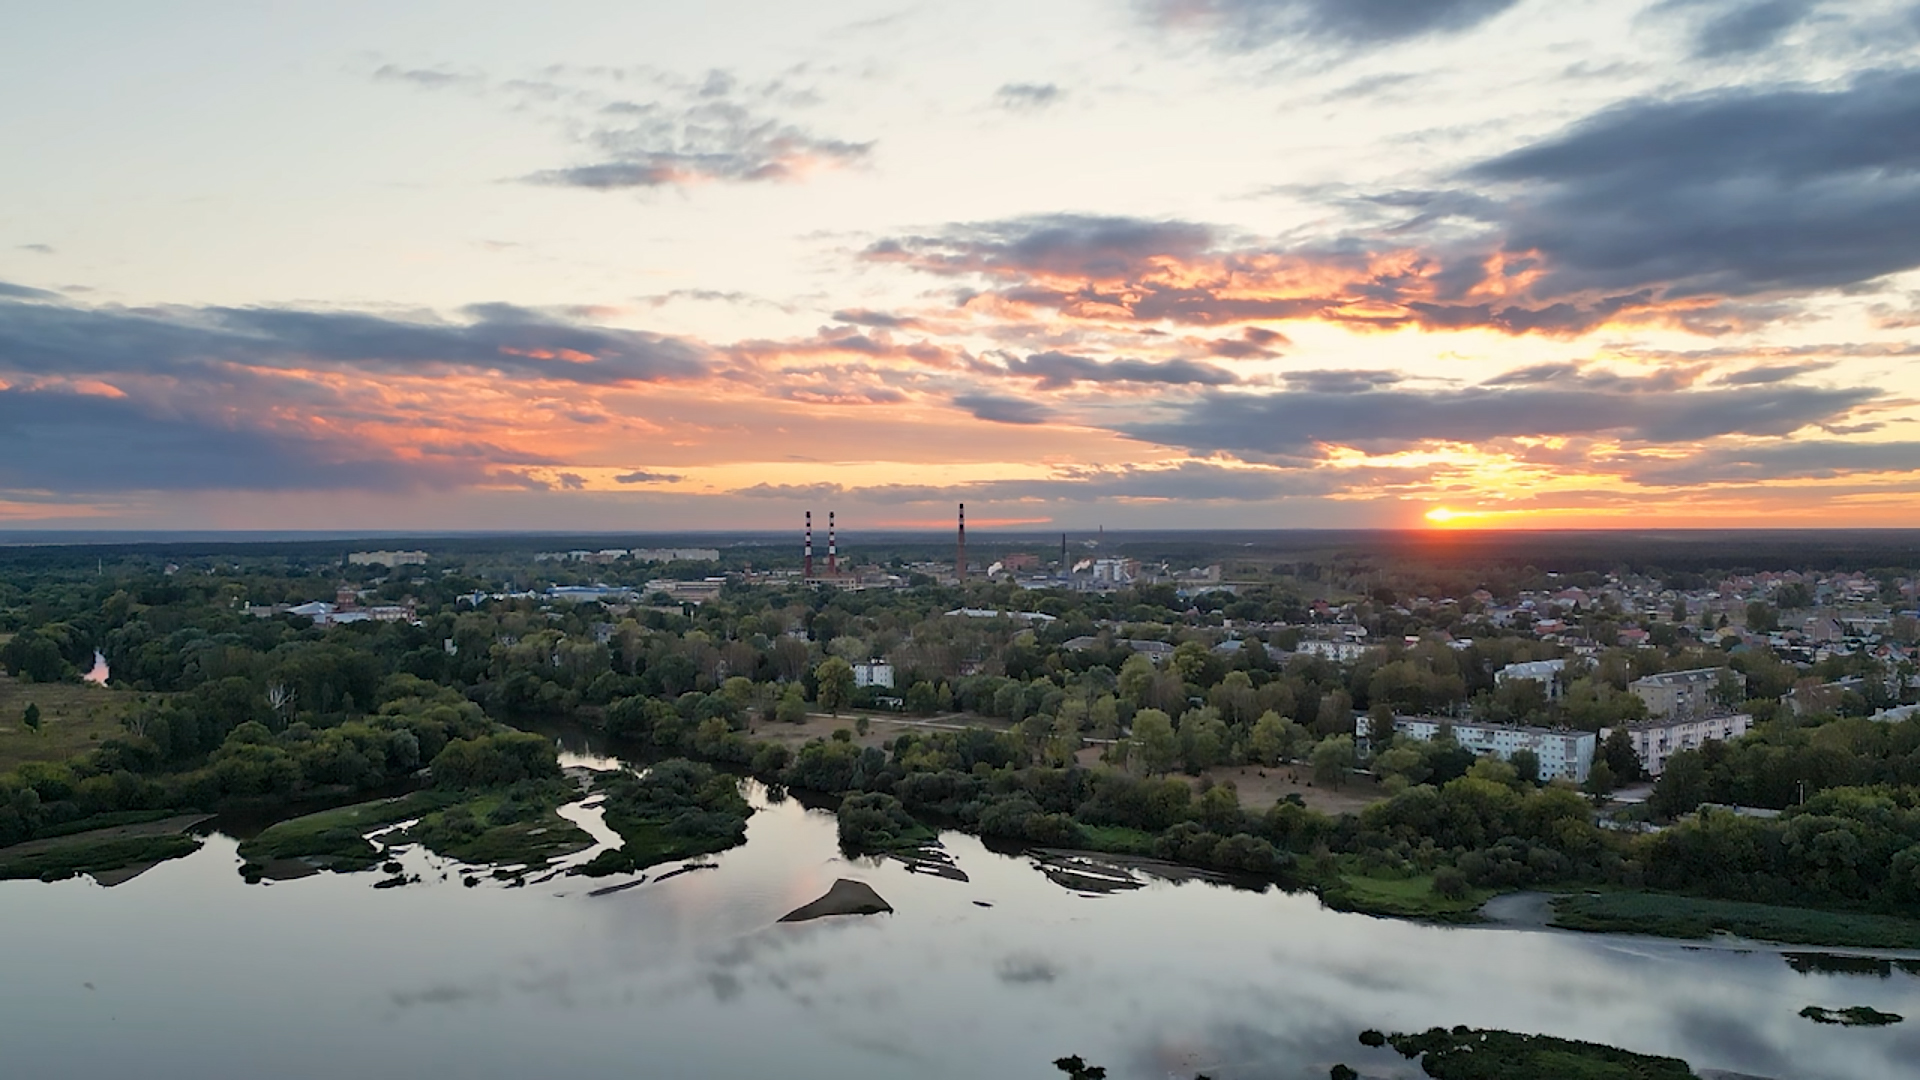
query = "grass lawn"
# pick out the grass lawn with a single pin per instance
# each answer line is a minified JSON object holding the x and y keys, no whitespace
{"x":1119,"y":840}
{"x":541,"y":837}
{"x":1690,"y":917}
{"x":74,"y":718}
{"x":335,"y":839}
{"x":1406,"y":898}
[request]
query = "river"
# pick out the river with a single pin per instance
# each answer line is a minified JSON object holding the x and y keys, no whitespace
{"x":188,"y":972}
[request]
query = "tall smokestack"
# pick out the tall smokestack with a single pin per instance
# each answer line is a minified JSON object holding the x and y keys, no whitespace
{"x":807,"y":574}
{"x":1065,"y":566}
{"x":833,"y":547}
{"x":960,"y":557}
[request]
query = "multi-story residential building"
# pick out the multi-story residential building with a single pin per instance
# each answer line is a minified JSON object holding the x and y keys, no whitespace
{"x":1657,"y":740}
{"x":1566,"y":754}
{"x":1683,"y":694}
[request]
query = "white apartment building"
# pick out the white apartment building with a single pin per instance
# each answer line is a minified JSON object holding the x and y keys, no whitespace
{"x":1566,"y":754}
{"x":1657,"y":740}
{"x":873,"y":673}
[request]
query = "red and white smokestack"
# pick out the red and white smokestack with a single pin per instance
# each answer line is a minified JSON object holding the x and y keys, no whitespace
{"x":808,"y":571}
{"x":960,"y":556}
{"x":833,"y":547}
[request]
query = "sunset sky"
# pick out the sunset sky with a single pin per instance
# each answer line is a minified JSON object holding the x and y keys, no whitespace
{"x":1166,"y":263}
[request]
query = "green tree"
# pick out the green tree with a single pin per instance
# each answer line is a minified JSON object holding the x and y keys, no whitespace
{"x":1203,"y":738}
{"x":835,"y":679}
{"x":1136,"y":679}
{"x":1600,"y":780}
{"x":32,"y":717}
{"x":1526,"y":766}
{"x":1761,"y":618}
{"x":1622,"y":760}
{"x":1154,"y":740}
{"x":793,"y":706}
{"x":1270,"y":740}
{"x":1333,"y":759}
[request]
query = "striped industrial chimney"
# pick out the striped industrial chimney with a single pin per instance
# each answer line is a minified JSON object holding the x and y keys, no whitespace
{"x":833,"y":547}
{"x":960,"y":557}
{"x":807,"y":573}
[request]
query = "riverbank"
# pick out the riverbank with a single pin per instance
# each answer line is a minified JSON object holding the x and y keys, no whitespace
{"x":1715,"y":924}
{"x":110,"y":855}
{"x":1689,"y":917}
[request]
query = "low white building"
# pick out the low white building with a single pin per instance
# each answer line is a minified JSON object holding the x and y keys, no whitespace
{"x":873,"y":673}
{"x":386,"y":558}
{"x":1551,"y":674}
{"x":1657,"y":740}
{"x":1566,"y":754}
{"x":1344,"y":652}
{"x":676,"y":555}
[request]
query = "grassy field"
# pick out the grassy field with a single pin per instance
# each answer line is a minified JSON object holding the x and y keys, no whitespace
{"x":74,"y":718}
{"x":541,"y":837}
{"x":335,"y":839}
{"x":1689,"y":917}
{"x":1119,"y":840}
{"x":1405,"y":898}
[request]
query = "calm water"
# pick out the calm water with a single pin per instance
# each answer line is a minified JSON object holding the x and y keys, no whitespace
{"x":189,"y":972}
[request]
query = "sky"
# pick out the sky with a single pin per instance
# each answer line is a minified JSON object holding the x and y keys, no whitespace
{"x":637,"y":266}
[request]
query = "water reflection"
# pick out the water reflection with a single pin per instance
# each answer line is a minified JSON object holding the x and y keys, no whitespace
{"x":992,"y":971}
{"x":99,"y":672}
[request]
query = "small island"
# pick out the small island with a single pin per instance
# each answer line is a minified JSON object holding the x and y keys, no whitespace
{"x":1852,"y":1016}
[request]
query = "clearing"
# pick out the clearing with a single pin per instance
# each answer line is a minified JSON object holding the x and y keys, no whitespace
{"x":74,"y":718}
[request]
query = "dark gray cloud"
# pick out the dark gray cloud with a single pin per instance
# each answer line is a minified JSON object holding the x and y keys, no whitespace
{"x":713,"y":129}
{"x":63,"y":339}
{"x":1772,"y":373}
{"x":1189,"y":480}
{"x":1003,"y":410}
{"x":82,"y":444}
{"x":653,"y":144}
{"x":1255,"y":343}
{"x":38,"y":249}
{"x":1727,"y":28}
{"x":1735,"y":193}
{"x":1821,"y":459}
{"x":1713,"y":211}
{"x":25,"y":292}
{"x":428,"y":78}
{"x":1056,"y":370}
{"x":1076,"y":245}
{"x":1027,"y":97}
{"x":1393,"y":418}
{"x":640,"y":476}
{"x":1255,"y":24}
{"x":878,"y":319}
{"x":1341,"y":381}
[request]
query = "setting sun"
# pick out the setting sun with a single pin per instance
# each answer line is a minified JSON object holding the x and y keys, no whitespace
{"x":1440,"y":515}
